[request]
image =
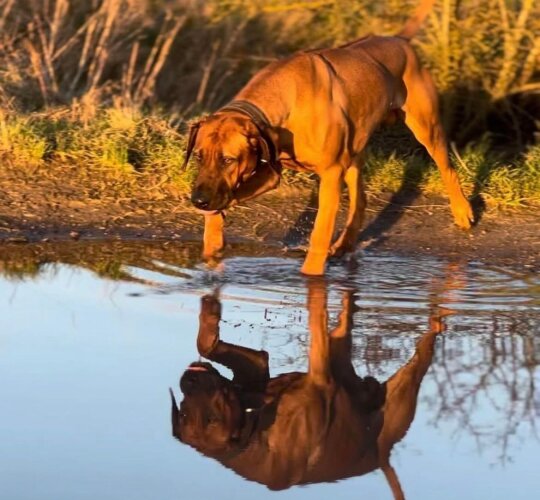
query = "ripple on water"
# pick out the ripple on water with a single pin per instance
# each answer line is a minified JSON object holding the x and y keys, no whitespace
{"x":381,"y":282}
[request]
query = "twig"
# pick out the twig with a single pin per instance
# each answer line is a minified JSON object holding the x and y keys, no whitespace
{"x":459,"y":158}
{"x":207,"y":72}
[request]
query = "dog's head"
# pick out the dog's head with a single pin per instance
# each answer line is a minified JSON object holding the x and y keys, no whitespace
{"x":228,"y":148}
{"x":210,"y":417}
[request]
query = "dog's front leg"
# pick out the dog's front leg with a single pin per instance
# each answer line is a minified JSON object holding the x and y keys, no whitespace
{"x":321,"y":236}
{"x":213,"y":235}
{"x":249,"y":366}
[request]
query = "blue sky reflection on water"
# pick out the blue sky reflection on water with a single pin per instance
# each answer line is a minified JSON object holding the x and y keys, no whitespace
{"x":86,"y":364}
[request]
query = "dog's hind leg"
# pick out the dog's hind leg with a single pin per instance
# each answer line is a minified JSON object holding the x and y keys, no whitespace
{"x":401,"y":398}
{"x":393,"y":481}
{"x":422,"y":117}
{"x":357,"y":206}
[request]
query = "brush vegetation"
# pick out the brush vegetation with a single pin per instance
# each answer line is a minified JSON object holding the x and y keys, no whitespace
{"x":102,"y":89}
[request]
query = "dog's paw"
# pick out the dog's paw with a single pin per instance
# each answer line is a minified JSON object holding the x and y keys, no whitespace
{"x":463,"y":214}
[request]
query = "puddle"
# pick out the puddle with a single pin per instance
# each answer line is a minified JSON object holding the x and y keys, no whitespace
{"x":444,"y":394}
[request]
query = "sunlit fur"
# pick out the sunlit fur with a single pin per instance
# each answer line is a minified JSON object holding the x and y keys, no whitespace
{"x":226,"y":151}
{"x":322,"y":106}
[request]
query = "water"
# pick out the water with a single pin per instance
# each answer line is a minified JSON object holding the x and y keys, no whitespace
{"x":92,"y":336}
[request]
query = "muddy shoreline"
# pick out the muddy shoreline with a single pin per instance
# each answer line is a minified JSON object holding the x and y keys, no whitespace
{"x":408,"y":223}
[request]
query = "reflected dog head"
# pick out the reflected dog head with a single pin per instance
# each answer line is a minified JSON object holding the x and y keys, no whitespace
{"x":227,"y":147}
{"x":210,"y":416}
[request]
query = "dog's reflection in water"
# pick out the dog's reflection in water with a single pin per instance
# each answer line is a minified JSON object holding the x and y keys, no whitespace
{"x":298,"y":428}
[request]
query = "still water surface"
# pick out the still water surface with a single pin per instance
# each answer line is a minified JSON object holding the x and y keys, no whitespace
{"x":91,"y":339}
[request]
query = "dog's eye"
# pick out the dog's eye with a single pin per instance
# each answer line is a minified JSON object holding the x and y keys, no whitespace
{"x":212,"y":420}
{"x":228,"y":160}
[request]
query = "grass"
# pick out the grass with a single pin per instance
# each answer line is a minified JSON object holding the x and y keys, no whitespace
{"x":19,"y":143}
{"x":98,"y":89}
{"x":119,"y":150}
{"x":501,"y":183}
{"x":123,"y":151}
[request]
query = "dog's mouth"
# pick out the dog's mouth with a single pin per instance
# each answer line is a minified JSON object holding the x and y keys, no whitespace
{"x":200,"y":366}
{"x":209,"y":212}
{"x":199,"y":377}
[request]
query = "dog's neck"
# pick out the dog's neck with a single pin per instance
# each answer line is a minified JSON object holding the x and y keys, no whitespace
{"x":256,"y":114}
{"x":265,"y":91}
{"x":276,"y":114}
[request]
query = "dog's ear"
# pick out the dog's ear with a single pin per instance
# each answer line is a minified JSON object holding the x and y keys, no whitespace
{"x":267,"y":152}
{"x":193,"y":131}
{"x":266,"y":156}
{"x":175,"y":414}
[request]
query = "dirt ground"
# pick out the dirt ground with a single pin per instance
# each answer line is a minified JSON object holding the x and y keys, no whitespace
{"x":43,"y":210}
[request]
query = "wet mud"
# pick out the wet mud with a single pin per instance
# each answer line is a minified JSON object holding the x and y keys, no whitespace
{"x":408,"y":225}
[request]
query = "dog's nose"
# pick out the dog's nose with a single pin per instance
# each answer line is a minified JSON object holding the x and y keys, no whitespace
{"x":188,"y":384}
{"x":200,"y":200}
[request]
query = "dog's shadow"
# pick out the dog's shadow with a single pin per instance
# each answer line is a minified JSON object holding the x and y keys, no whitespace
{"x":375,"y":231}
{"x":298,"y":234}
{"x":409,"y":190}
{"x":342,"y":425}
{"x":417,"y":165}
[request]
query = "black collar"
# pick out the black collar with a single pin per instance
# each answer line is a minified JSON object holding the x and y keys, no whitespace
{"x":249,"y":109}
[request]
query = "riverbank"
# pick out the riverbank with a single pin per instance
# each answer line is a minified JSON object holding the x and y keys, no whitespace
{"x":49,"y":210}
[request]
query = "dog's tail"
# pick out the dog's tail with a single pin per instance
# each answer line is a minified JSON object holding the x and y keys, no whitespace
{"x":414,"y":22}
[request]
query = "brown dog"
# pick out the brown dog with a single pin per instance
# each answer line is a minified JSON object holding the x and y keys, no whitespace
{"x":316,"y":111}
{"x":297,"y":428}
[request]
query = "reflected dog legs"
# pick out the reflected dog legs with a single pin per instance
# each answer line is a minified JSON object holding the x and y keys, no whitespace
{"x":341,"y":340}
{"x":249,"y":366}
{"x":401,"y":398}
{"x":319,"y":349}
